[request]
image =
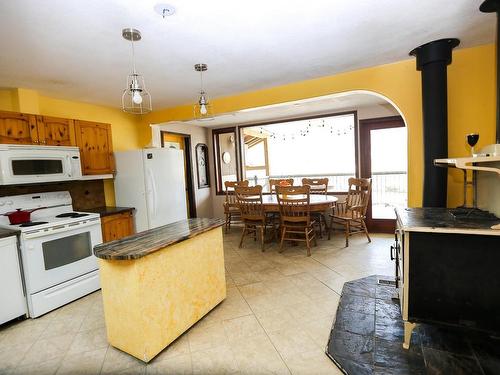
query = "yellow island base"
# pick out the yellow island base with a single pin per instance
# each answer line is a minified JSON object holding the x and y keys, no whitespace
{"x":152,"y":300}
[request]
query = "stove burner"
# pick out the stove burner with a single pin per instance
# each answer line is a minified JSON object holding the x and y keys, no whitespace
{"x":33,"y":223}
{"x":72,"y":215}
{"x":472,"y":214}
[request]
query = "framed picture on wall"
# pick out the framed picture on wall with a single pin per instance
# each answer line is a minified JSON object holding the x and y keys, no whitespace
{"x":202,"y":166}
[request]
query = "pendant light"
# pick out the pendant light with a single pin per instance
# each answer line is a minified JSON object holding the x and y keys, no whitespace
{"x":135,"y":97}
{"x":203,"y":108}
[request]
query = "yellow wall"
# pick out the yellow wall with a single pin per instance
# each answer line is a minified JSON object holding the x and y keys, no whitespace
{"x":471,"y":105}
{"x":125,"y":127}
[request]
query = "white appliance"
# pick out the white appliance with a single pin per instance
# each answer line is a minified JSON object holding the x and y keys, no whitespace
{"x":27,"y":164}
{"x":12,"y":297}
{"x":56,"y":246}
{"x":152,"y":181}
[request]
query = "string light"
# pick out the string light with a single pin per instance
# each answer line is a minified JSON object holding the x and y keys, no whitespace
{"x":321,"y":125}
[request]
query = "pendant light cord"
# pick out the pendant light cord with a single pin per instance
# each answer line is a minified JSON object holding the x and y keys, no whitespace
{"x":201,"y":80}
{"x":133,"y":54}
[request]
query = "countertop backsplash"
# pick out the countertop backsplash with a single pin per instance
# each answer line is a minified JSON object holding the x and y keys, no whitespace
{"x":85,"y":194}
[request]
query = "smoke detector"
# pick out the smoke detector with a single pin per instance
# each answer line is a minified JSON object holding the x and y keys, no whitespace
{"x":164,"y":10}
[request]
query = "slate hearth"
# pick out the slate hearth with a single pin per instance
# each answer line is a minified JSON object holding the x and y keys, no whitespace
{"x":367,"y":337}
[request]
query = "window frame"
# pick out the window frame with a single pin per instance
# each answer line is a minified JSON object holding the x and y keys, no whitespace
{"x":219,"y":189}
{"x":240,"y":148}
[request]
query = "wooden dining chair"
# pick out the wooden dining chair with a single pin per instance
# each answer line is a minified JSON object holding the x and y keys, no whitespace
{"x":351,"y":213}
{"x":231,"y":210}
{"x":249,"y":200}
{"x":295,"y":215}
{"x":318,"y":186}
{"x":273,"y":182}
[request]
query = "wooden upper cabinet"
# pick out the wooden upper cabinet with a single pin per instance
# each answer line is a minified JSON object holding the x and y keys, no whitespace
{"x":54,"y":131}
{"x":96,"y":147}
{"x":18,"y":128}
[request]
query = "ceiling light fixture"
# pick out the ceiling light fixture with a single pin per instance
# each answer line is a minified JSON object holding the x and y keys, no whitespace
{"x":164,"y":10}
{"x":135,"y":97}
{"x":203,"y":108}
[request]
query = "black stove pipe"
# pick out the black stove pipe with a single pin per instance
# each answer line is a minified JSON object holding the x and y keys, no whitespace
{"x":493,"y":6}
{"x":432,"y":60}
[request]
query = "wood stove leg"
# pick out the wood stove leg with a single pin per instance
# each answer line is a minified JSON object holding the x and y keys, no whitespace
{"x":408,"y":331}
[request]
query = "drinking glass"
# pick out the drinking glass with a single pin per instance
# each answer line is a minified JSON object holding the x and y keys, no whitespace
{"x":472,"y":141}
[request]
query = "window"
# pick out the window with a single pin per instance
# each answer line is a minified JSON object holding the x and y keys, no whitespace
{"x":317,"y":147}
{"x":226,"y":157}
{"x":323,"y":146}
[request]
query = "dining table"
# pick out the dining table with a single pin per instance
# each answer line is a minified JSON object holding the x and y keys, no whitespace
{"x":317,"y":202}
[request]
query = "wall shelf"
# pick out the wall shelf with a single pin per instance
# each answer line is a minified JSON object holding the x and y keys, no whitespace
{"x":470,"y":163}
{"x":97,"y":177}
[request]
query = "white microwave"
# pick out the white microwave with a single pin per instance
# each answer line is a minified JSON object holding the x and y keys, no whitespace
{"x":31,"y":164}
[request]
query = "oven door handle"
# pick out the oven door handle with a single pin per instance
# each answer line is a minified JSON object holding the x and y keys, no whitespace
{"x":60,"y":228}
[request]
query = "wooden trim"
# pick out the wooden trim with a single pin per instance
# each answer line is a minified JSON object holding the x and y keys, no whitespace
{"x":255,"y":167}
{"x":266,"y":156}
{"x":219,"y":190}
{"x":188,"y":170}
{"x":189,"y":176}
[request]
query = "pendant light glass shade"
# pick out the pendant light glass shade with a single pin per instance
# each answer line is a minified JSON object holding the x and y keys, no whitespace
{"x":135,"y":98}
{"x":202,"y":109}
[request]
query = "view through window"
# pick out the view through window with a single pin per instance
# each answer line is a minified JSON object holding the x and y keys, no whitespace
{"x":389,"y":179}
{"x":319,"y":147}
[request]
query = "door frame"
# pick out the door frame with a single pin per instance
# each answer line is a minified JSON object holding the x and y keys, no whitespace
{"x":189,"y":169}
{"x":365,"y":126}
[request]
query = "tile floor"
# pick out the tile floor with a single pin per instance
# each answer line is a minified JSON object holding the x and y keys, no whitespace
{"x":276,"y":318}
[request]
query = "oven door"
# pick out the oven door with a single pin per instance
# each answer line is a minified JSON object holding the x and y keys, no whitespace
{"x":60,"y":254}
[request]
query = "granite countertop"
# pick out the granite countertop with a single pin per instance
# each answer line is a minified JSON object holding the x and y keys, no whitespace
{"x":149,"y":241}
{"x":8,"y":232}
{"x":441,"y":220}
{"x":109,"y":210}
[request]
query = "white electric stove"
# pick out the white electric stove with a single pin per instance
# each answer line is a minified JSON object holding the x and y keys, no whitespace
{"x":56,"y":249}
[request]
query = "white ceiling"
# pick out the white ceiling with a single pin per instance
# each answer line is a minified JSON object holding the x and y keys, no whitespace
{"x":366,"y":104}
{"x":74,"y":50}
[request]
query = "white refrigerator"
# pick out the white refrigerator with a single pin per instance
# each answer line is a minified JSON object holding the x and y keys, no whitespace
{"x":152,"y":181}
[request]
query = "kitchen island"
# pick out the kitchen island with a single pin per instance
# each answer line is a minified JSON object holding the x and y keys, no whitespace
{"x":447,"y":268}
{"x":158,"y":283}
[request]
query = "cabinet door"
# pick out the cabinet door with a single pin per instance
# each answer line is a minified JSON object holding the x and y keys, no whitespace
{"x":117,"y":226}
{"x":11,"y":293}
{"x":18,"y":128}
{"x":96,"y":148}
{"x":56,"y":131}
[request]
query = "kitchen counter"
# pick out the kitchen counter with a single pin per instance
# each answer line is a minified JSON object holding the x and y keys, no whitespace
{"x":158,"y":283}
{"x":149,"y":241}
{"x":8,"y":232}
{"x":109,"y":210}
{"x":441,"y":220}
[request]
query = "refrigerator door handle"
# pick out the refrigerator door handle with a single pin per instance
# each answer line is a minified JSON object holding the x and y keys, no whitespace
{"x":153,"y":191}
